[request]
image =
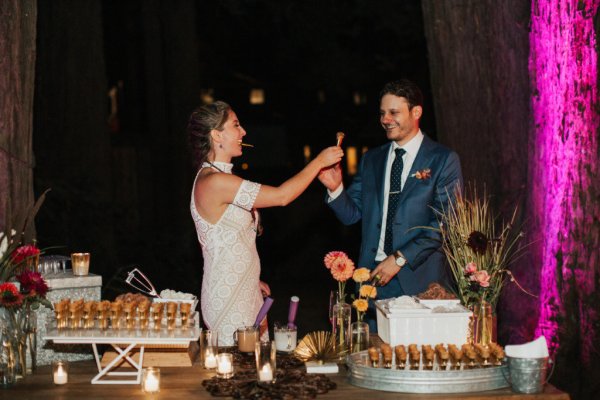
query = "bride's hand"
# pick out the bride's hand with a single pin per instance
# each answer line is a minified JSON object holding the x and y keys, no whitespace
{"x":330,"y":156}
{"x":264,"y":289}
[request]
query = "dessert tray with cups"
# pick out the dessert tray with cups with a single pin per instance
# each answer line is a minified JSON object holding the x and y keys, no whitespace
{"x":423,"y":369}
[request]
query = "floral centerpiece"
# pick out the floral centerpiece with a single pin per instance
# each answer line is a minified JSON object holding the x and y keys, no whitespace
{"x":360,"y":330}
{"x":342,"y":269}
{"x":479,"y":253}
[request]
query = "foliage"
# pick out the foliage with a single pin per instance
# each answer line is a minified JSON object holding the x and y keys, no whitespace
{"x":478,"y":254}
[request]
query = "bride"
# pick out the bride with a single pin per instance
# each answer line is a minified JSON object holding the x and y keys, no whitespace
{"x":223,"y":207}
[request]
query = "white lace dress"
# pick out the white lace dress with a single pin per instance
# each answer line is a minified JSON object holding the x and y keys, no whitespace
{"x":231,"y":296}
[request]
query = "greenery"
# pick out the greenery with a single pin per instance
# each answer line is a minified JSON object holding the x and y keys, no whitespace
{"x":478,"y":253}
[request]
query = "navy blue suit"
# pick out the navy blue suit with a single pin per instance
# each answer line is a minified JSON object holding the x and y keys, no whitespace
{"x":363,"y":200}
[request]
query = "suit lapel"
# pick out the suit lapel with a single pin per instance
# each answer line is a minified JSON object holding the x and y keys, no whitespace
{"x":421,"y":162}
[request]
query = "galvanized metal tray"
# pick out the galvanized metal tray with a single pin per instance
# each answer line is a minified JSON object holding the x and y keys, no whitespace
{"x":424,"y":381}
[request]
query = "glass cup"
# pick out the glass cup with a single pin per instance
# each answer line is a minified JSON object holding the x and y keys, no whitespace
{"x":265,"y":361}
{"x":225,"y":365}
{"x":209,"y":349}
{"x":60,"y":372}
{"x":246,"y":337}
{"x":80,"y":262}
{"x":151,"y":380}
{"x":285,"y":338}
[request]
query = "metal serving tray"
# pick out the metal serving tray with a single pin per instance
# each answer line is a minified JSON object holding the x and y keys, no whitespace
{"x":424,"y":381}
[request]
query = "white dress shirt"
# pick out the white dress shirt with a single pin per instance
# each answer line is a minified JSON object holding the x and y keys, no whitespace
{"x":411,"y":148}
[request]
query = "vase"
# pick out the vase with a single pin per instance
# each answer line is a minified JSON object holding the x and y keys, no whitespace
{"x":341,"y":314}
{"x":483,"y":327}
{"x":20,"y":329}
{"x":359,"y":336}
{"x":7,"y":355}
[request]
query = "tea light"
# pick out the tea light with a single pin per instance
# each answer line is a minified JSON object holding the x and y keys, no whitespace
{"x":210,"y":361}
{"x":225,"y":365}
{"x":151,"y":380}
{"x":80,"y":262}
{"x":60,"y":372}
{"x":266,"y":373}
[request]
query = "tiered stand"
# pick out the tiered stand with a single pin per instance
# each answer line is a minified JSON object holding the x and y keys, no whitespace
{"x":124,"y":342}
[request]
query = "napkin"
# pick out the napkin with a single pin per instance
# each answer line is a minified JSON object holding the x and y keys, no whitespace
{"x":535,"y":349}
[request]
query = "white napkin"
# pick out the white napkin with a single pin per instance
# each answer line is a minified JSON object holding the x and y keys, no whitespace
{"x":536,"y":349}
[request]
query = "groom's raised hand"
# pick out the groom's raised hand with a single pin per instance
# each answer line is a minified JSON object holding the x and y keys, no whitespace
{"x":331,"y":177}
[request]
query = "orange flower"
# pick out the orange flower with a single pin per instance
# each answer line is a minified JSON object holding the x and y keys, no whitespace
{"x":361,"y":305}
{"x":342,"y":269}
{"x":361,"y":275}
{"x":368,"y":291}
{"x":334,"y":256}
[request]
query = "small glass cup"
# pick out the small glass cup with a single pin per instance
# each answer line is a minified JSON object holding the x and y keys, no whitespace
{"x":286,"y":338}
{"x":151,"y":380}
{"x":265,"y":353}
{"x":246,"y":337}
{"x":208,"y":349}
{"x":80,"y":262}
{"x":225,"y":365}
{"x":60,"y":372}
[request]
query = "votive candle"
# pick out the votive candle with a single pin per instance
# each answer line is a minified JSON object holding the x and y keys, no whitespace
{"x":60,"y":372}
{"x":151,"y":380}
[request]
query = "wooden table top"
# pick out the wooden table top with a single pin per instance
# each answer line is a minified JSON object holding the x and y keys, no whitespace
{"x":186,"y":383}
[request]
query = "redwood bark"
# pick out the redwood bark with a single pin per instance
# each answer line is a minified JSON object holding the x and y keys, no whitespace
{"x":17,"y":69}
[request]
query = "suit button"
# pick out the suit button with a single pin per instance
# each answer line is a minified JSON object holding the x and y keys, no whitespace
{"x":373,"y":250}
{"x":379,"y":226}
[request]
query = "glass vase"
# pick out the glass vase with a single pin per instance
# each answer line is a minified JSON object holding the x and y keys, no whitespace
{"x":483,"y":324}
{"x":7,"y":355}
{"x":359,"y":336}
{"x":341,"y":315}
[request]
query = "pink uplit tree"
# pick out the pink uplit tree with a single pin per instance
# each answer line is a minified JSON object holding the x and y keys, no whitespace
{"x":564,"y":168}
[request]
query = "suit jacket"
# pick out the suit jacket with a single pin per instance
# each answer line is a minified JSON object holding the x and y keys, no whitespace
{"x":363,"y":200}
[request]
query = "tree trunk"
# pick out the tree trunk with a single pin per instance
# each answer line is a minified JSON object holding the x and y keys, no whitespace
{"x":17,"y":62}
{"x":478,"y":61}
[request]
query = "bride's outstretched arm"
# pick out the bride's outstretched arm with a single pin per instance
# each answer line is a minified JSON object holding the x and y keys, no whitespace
{"x":288,"y":191}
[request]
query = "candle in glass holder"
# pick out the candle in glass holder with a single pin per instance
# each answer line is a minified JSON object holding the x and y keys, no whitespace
{"x":265,"y":361}
{"x":225,"y":365}
{"x":80,"y":262}
{"x":60,"y":372}
{"x":151,"y":380}
{"x":209,"y":348}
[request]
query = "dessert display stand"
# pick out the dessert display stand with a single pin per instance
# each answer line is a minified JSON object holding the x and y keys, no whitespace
{"x":124,"y":342}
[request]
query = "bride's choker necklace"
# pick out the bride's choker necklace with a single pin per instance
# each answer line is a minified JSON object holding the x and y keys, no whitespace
{"x":219,"y":166}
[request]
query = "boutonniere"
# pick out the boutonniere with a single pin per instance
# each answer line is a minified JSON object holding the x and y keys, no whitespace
{"x":422,"y":174}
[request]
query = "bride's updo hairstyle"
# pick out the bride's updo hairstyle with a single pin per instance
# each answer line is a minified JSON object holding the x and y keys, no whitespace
{"x":203,"y":120}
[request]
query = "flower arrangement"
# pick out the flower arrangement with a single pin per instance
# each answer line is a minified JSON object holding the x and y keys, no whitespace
{"x":365,"y":292}
{"x":479,"y":255}
{"x":341,"y":268}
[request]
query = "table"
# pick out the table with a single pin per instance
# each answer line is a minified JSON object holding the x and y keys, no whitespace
{"x":186,"y":383}
{"x":124,"y":342}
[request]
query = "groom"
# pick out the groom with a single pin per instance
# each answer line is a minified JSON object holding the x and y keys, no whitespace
{"x":395,"y":192}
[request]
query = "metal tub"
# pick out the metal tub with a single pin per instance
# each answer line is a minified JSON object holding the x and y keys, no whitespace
{"x":424,"y":381}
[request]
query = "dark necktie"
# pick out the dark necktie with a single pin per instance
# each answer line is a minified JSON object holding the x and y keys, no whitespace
{"x":393,"y":199}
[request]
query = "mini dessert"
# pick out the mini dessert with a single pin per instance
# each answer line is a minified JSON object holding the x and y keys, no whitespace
{"x":374,"y":357}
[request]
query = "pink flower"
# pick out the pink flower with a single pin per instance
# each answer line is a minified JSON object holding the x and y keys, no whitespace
{"x":32,"y":283}
{"x":24,"y":252}
{"x":333,"y":256}
{"x":470,"y":268}
{"x":481,"y":277}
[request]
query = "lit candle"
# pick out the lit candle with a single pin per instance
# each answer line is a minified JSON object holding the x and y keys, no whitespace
{"x":210,"y":361}
{"x":265,"y":374}
{"x":60,"y":376}
{"x":151,"y":384}
{"x":224,"y":366}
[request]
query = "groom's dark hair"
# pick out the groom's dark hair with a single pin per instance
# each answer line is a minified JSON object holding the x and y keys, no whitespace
{"x":404,"y":88}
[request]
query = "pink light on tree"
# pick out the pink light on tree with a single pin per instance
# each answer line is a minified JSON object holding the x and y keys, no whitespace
{"x":564,"y":165}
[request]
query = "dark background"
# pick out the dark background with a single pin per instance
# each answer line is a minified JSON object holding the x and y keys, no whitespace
{"x":127,"y":201}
